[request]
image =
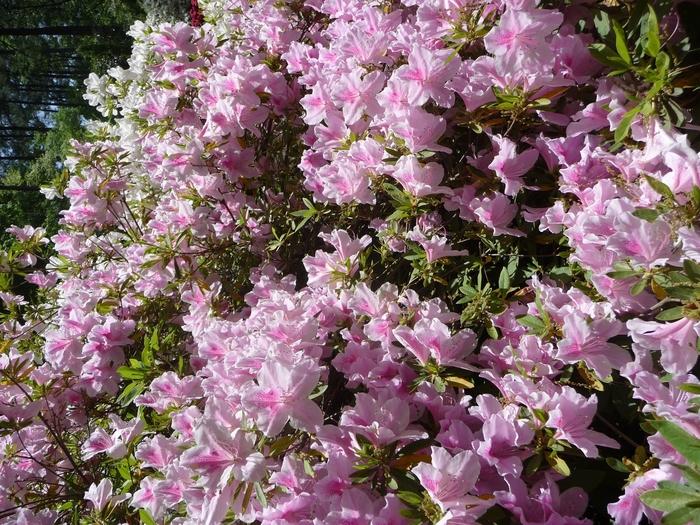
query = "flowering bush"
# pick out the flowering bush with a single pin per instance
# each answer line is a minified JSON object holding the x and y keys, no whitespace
{"x":353,"y":262}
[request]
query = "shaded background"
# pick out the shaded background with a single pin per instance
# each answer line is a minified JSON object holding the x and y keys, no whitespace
{"x":47,"y":49}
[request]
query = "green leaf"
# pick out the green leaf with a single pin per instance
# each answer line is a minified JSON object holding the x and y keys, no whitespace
{"x":623,"y":274}
{"x":398,"y":215}
{"x":260,"y":494}
{"x":458,"y":382}
{"x":534,"y":323}
{"x":306,"y":214}
{"x":621,"y":41}
{"x":672,"y":314}
{"x":693,"y":388}
{"x":638,"y":287}
{"x":691,"y":475}
{"x":695,"y":196}
{"x":541,"y":309}
{"x":653,"y":42}
{"x":504,"y":279}
{"x":396,"y":194}
{"x":617,"y":465}
{"x":607,"y":56}
{"x":319,"y":392}
{"x":533,"y":464}
{"x":130,"y":393}
{"x":648,"y":214}
{"x":123,"y":469}
{"x":601,"y":21}
{"x":439,"y":384}
{"x":540,"y":414}
{"x":415,"y":446}
{"x":692,"y":269}
{"x":663,"y":64}
{"x":668,"y":500}
{"x":682,"y":292}
{"x":686,"y":444}
{"x":558,"y":464}
{"x":625,"y":124}
{"x":131,"y":373}
{"x":308,"y":469}
{"x":410,"y":498}
{"x":412,"y":514}
{"x":492,"y":332}
{"x":682,"y":516}
{"x":146,"y":518}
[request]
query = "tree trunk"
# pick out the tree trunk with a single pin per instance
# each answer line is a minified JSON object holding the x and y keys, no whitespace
{"x":14,"y":187}
{"x":58,"y":30}
{"x":42,"y":104}
{"x":23,"y":128}
{"x":46,"y":5}
{"x":17,"y":135}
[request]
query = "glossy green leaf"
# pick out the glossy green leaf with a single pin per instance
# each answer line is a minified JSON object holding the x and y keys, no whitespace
{"x":558,"y":464}
{"x":692,"y":269}
{"x":671,"y":314}
{"x":648,"y":214}
{"x":504,"y":279}
{"x":534,"y":323}
{"x":686,"y":444}
{"x":653,"y":42}
{"x":621,"y":41}
{"x":668,"y":500}
{"x":638,"y":287}
{"x":682,"y":516}
{"x":623,"y":128}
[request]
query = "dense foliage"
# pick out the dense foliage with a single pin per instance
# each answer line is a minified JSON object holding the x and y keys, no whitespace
{"x":353,"y":262}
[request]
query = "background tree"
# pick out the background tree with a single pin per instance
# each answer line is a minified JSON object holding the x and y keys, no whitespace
{"x":47,"y":49}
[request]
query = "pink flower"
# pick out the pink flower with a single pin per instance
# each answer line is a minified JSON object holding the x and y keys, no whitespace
{"x":282,"y":395}
{"x":684,"y":171}
{"x":101,"y":495}
{"x":522,"y":32}
{"x":629,"y":508}
{"x":645,"y":243}
{"x":543,"y":502}
{"x":331,"y":268}
{"x":496,"y":212}
{"x":510,"y":166}
{"x":677,"y":341}
{"x":437,"y":247}
{"x":316,"y":104}
{"x":427,"y":73}
{"x":169,"y":390}
{"x":431,"y":339}
{"x":503,"y":444}
{"x":356,"y":95}
{"x":221,"y":455}
{"x":571,"y":414}
{"x":587,"y":340}
{"x":418,"y":179}
{"x":99,"y":441}
{"x":353,"y":508}
{"x":420,"y":130}
{"x":146,"y":497}
{"x":382,"y":420}
{"x":346,"y":182}
{"x":156,"y":452}
{"x":449,"y":479}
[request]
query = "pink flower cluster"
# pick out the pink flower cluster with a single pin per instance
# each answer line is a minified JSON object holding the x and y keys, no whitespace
{"x":268,"y":299}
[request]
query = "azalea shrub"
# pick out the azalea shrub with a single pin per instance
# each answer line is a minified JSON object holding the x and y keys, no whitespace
{"x":368,"y":262}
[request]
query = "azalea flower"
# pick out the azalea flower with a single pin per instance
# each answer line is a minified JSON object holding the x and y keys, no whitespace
{"x":449,"y":479}
{"x":281,"y":395}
